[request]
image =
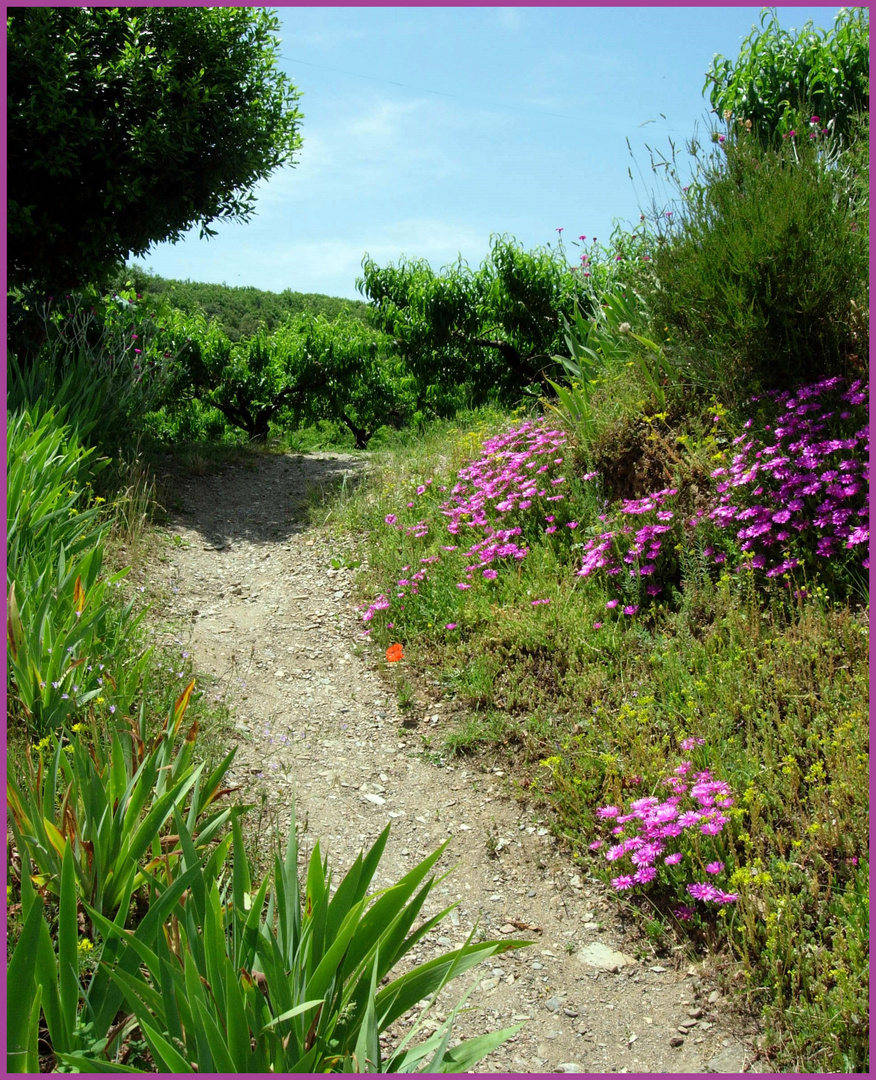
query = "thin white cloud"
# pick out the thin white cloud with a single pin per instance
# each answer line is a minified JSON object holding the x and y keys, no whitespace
{"x":509,"y":18}
{"x":380,"y":146}
{"x":386,"y":120}
{"x":325,"y":261}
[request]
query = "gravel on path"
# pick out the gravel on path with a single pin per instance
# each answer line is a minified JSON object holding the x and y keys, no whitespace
{"x":273,"y":620}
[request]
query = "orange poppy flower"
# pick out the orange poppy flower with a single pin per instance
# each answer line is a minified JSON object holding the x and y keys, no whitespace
{"x":395,"y":652}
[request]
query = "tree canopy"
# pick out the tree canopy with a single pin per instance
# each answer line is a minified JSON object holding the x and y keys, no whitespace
{"x":778,"y":73}
{"x":128,"y":126}
{"x":241,"y":311}
{"x":493,"y":329}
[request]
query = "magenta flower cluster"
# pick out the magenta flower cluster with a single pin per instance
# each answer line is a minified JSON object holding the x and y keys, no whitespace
{"x":648,"y":834}
{"x":802,"y":490}
{"x":510,"y":485}
{"x":803,"y":483}
{"x":515,"y":470}
{"x":643,"y":542}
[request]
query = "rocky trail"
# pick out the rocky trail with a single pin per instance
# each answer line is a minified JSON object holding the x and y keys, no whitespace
{"x":251,"y":589}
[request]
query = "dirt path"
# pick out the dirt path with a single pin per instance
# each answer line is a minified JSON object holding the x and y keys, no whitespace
{"x":277,"y":626}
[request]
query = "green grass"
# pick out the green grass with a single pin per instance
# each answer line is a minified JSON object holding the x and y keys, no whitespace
{"x":777,"y":688}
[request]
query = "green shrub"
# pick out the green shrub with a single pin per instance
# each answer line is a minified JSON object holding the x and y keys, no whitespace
{"x":68,"y":632}
{"x":781,"y":78}
{"x":285,"y":977}
{"x":107,"y":794}
{"x":104,"y":360}
{"x":756,"y":280}
{"x":472,"y":336}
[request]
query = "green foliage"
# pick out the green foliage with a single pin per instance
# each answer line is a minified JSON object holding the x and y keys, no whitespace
{"x":599,"y":349}
{"x":781,"y":77}
{"x":757,"y":280}
{"x":126,"y":127}
{"x":467,"y":336}
{"x":103,"y":359}
{"x":47,"y":473}
{"x":106,"y":796}
{"x":346,"y":373}
{"x":48,"y":975}
{"x":247,"y":383}
{"x":240,"y":311}
{"x":67,"y":631}
{"x":277,"y":978}
{"x":23,"y":1013}
{"x":309,"y":370}
{"x":773,"y":674}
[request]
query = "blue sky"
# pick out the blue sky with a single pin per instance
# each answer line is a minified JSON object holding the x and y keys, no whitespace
{"x":427,"y":129}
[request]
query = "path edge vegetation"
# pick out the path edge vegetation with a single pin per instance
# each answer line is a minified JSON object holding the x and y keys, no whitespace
{"x":587,"y":522}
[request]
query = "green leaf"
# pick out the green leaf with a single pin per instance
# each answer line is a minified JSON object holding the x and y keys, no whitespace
{"x":366,"y":1054}
{"x":299,"y":1010}
{"x":465,"y":1055}
{"x":166,"y":1056}
{"x":405,"y":991}
{"x":23,"y":1006}
{"x":216,"y":1038}
{"x":68,"y":955}
{"x":95,"y":1064}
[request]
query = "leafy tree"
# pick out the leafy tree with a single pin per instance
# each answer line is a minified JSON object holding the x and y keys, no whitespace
{"x":310,"y":369}
{"x":492,"y":330}
{"x":126,"y":126}
{"x":781,"y":78}
{"x":350,"y":372}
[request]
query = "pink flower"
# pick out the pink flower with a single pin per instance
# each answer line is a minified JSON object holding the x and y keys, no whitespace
{"x":622,"y":882}
{"x":671,"y":860}
{"x":612,"y":604}
{"x":714,"y":868}
{"x":450,"y":626}
{"x":490,"y":574}
{"x":702,"y":891}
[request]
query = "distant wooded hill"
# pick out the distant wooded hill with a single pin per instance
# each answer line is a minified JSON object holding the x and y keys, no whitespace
{"x":239,"y":310}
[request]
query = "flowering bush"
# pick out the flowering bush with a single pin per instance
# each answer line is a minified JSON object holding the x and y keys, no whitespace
{"x":634,"y":552}
{"x":670,"y":840}
{"x":804,"y":491}
{"x":794,"y":499}
{"x":509,"y":498}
